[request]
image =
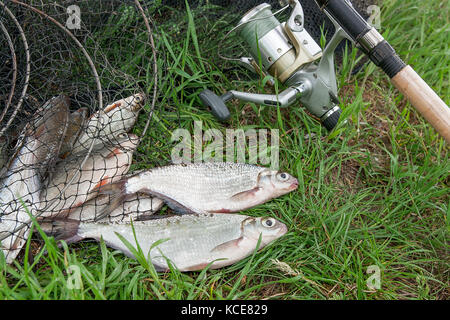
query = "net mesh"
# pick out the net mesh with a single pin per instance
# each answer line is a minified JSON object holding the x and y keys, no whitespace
{"x":69,"y":99}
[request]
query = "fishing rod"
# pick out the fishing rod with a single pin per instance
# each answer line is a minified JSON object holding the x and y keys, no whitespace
{"x":287,"y":52}
{"x":381,"y":53}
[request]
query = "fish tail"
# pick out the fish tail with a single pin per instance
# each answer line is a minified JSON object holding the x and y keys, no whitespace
{"x":62,"y":229}
{"x":117,"y":195}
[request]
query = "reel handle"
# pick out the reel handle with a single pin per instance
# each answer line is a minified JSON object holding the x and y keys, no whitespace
{"x":216,"y":103}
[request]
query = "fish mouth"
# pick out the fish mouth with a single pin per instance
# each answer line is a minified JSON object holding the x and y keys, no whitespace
{"x":282,"y":231}
{"x":294,"y":185}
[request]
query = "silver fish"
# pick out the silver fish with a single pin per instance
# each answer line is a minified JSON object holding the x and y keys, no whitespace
{"x":193,"y":241}
{"x":105,"y":164}
{"x":38,"y":148}
{"x":211,"y":187}
{"x":77,"y":121}
{"x":118,"y":118}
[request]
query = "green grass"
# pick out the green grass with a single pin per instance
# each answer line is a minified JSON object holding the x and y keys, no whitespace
{"x":374,"y":192}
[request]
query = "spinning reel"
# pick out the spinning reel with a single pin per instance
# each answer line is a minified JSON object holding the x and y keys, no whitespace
{"x":287,"y":52}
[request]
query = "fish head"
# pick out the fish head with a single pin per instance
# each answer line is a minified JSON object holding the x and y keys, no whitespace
{"x":128,"y":141}
{"x":133,"y":103}
{"x":138,"y":101}
{"x":277,"y":183}
{"x":268,"y":228}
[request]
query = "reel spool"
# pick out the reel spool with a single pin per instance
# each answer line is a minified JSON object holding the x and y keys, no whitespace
{"x":287,"y":52}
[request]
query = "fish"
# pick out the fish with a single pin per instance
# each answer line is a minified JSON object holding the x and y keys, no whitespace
{"x":36,"y":151}
{"x":106,"y":164}
{"x":136,"y":206}
{"x":191,"y":242}
{"x":117,"y":118}
{"x":77,"y":122}
{"x":210,"y":187}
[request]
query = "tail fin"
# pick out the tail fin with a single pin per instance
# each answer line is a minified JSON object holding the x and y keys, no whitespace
{"x":61,"y":229}
{"x":117,"y":193}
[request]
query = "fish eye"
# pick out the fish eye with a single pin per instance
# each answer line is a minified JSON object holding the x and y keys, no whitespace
{"x":283,"y":176}
{"x":268,"y":222}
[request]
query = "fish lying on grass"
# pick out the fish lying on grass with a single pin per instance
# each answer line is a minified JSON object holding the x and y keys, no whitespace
{"x":37,"y":150}
{"x":139,"y":206}
{"x":193,"y":240}
{"x":212,"y":187}
{"x":118,"y":118}
{"x":104,"y":165}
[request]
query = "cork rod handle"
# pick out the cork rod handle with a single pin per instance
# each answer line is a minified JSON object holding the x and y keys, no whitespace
{"x":424,"y":99}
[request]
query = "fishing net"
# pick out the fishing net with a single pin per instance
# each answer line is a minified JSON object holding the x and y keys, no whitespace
{"x":77,"y":79}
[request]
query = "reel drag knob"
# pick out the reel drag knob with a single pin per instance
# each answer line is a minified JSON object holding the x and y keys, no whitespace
{"x":216,"y":103}
{"x":331,"y":118}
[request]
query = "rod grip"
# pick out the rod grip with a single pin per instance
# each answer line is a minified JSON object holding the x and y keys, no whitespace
{"x":424,"y":99}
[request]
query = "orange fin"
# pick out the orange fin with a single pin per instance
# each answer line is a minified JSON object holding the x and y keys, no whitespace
{"x":112,"y":107}
{"x":115,"y":151}
{"x":101,"y":183}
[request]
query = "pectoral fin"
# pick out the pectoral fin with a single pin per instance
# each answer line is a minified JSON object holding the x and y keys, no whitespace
{"x":244,"y":195}
{"x":224,"y":247}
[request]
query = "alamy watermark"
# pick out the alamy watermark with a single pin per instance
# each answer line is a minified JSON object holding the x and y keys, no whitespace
{"x":74,"y":19}
{"x":374,"y":20}
{"x":213,"y":146}
{"x":74,"y":279}
{"x":374,"y":281}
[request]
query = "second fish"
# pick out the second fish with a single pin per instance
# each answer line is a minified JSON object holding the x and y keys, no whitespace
{"x":211,"y":187}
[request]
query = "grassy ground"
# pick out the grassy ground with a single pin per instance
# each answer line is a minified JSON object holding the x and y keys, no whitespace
{"x":374,"y":192}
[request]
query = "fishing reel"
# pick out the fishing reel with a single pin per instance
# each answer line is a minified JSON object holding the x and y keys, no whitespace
{"x":287,"y":52}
